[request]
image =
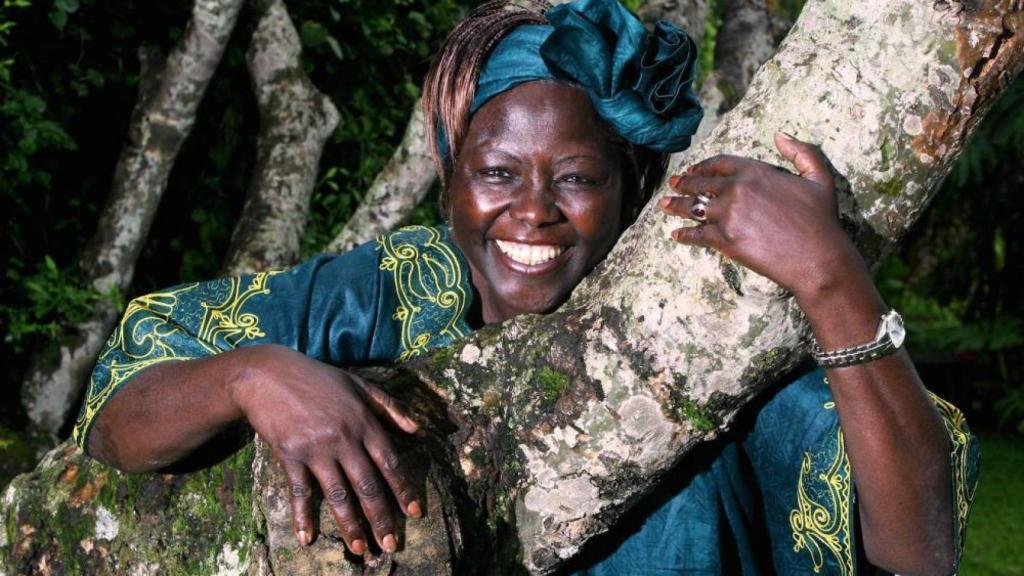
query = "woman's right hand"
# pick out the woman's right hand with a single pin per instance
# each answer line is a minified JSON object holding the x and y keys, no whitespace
{"x":322,"y":423}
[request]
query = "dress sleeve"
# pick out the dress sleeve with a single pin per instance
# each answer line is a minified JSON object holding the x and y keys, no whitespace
{"x":385,"y":301}
{"x":799,"y":459}
{"x":327,"y":308}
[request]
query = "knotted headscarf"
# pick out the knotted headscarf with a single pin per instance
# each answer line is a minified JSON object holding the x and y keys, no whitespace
{"x":640,"y":83}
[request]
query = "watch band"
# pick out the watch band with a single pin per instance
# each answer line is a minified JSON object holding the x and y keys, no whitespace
{"x":888,"y":339}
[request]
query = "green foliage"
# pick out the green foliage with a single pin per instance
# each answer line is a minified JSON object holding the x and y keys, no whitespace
{"x":997,"y":518}
{"x":28,"y":132}
{"x":370,"y":56}
{"x":706,"y":50}
{"x":16,"y":455}
{"x":956,"y":279}
{"x":50,"y":299}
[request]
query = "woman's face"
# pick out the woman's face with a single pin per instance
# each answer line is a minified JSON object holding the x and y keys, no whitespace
{"x":535,"y":197}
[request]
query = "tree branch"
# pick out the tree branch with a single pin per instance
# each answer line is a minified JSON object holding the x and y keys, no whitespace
{"x":162,"y":119}
{"x":295,"y":122}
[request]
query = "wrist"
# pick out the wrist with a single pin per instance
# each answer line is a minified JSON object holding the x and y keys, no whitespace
{"x":842,"y":305}
{"x":833,"y":277}
{"x":245,"y":368}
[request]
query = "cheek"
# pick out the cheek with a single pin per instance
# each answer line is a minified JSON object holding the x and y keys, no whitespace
{"x":600,"y":220}
{"x":471,"y":213}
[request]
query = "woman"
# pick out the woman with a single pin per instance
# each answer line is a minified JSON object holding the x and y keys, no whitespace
{"x":551,"y":132}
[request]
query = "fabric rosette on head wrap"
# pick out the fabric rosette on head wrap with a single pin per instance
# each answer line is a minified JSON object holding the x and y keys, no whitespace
{"x":640,"y":82}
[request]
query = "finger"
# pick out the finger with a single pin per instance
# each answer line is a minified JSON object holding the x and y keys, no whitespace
{"x":301,"y":488}
{"x":721,"y":165}
{"x":808,"y":159}
{"x":385,"y":406}
{"x":691,"y":185}
{"x":707,"y":235}
{"x":383,"y":454}
{"x":339,"y":498}
{"x":372,"y":498}
{"x":687,"y":207}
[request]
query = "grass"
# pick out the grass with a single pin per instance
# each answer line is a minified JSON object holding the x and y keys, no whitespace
{"x":995,"y":535}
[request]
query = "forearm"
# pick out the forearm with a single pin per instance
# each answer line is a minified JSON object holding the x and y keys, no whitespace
{"x":167,"y":411}
{"x":895,"y":438}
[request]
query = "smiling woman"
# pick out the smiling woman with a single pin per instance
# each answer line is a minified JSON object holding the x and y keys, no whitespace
{"x":551,"y":131}
{"x":536,"y":197}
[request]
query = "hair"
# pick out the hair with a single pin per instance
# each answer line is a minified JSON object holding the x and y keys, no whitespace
{"x":450,"y":87}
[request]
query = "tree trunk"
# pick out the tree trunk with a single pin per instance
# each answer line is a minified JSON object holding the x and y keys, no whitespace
{"x":747,"y":37}
{"x":295,"y":122}
{"x":690,"y":15}
{"x":556,"y":423}
{"x":162,"y":119}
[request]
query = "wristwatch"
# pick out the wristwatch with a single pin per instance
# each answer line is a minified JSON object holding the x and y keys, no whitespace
{"x":888,"y":339}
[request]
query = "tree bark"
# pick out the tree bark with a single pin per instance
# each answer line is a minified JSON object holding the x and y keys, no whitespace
{"x":295,"y":122}
{"x":690,"y":15}
{"x":747,"y":37}
{"x":162,"y":119}
{"x":555,"y":424}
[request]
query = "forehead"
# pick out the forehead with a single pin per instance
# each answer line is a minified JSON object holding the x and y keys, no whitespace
{"x":544,"y":114}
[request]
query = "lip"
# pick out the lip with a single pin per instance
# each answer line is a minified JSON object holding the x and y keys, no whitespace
{"x":527,"y":270}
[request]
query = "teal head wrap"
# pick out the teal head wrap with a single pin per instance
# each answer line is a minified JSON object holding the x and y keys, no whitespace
{"x":640,"y":83}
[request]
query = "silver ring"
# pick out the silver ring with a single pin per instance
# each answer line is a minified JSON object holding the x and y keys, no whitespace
{"x":699,"y":211}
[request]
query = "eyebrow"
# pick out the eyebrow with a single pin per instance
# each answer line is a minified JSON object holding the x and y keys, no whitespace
{"x":578,"y":157}
{"x":486,"y":149}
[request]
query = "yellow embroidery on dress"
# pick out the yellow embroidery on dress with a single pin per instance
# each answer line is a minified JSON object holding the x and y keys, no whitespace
{"x":428,"y":281}
{"x":821,"y":521}
{"x":145,"y":333}
{"x":960,"y":440}
{"x":226,"y":320}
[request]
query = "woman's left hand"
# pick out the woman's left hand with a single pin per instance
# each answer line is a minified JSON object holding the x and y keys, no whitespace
{"x":778,"y":224}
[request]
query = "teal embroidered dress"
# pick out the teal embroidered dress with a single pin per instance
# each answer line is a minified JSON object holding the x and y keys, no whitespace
{"x":776,"y":495}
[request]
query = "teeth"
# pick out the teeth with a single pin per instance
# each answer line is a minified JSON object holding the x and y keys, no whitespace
{"x":529,"y":254}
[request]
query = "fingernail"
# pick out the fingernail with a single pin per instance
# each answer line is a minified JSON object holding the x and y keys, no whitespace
{"x":673,"y":180}
{"x":389,"y":543}
{"x":358,"y":547}
{"x":787,"y":135}
{"x":303,"y":537}
{"x":414,"y":509}
{"x":664,"y":202}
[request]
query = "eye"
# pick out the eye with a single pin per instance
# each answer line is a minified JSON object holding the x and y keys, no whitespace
{"x":577,"y":180}
{"x":496,"y":173}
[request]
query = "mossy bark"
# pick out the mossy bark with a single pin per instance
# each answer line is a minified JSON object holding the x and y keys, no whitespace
{"x":73,"y":515}
{"x":546,"y":428}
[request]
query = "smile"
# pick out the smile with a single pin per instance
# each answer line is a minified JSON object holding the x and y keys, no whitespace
{"x":529,"y":254}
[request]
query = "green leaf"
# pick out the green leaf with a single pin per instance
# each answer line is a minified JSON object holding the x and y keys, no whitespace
{"x":59,"y":19}
{"x":335,"y":47}
{"x":69,"y":6}
{"x":313,"y":34}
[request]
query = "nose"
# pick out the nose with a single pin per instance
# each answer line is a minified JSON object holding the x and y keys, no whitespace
{"x":535,"y":204}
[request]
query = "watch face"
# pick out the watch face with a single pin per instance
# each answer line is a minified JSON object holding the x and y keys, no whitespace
{"x":894,"y":327}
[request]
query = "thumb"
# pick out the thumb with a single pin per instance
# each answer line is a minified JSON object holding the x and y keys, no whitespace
{"x":385,"y":406}
{"x":808,"y":160}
